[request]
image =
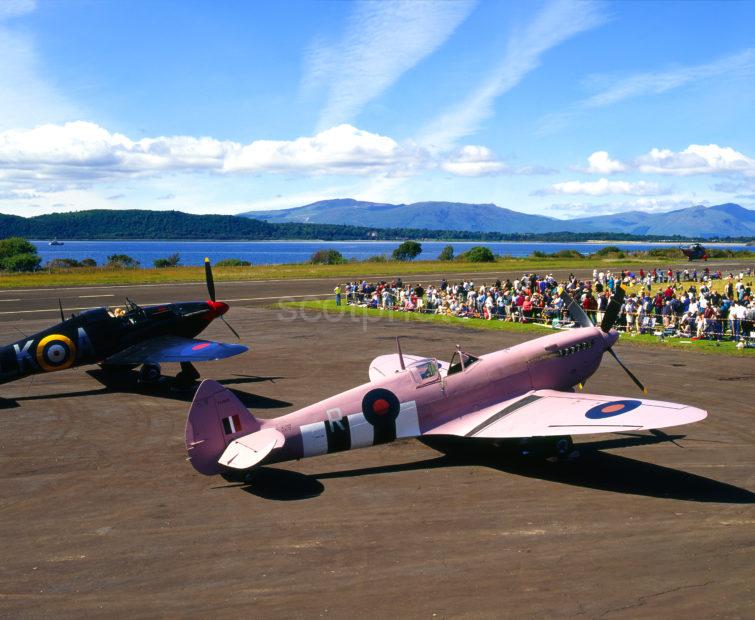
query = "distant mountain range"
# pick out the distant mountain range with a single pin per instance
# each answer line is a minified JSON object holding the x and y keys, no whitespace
{"x":726,"y":220}
{"x":458,"y":221}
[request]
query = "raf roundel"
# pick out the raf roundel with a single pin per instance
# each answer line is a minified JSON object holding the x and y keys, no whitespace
{"x":380,"y":407}
{"x":612,"y":408}
{"x":55,"y":352}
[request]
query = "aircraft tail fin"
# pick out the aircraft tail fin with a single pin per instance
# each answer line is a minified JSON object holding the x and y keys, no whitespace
{"x":216,"y":418}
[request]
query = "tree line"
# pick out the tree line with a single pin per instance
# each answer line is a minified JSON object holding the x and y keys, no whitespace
{"x":143,"y":224}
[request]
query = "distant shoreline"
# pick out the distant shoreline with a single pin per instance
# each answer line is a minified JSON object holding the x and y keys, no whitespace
{"x":376,"y":241}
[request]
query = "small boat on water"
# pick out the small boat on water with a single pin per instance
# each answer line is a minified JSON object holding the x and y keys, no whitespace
{"x":56,"y":242}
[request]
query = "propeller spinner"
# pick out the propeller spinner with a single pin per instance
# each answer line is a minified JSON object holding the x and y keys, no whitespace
{"x":579,"y":316}
{"x":217,"y":306}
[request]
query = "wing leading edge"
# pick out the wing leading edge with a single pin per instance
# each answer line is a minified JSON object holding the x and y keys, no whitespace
{"x":175,"y":349}
{"x":543,"y":413}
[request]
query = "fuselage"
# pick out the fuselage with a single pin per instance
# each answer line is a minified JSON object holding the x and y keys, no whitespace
{"x":420,"y":397}
{"x":94,"y":335}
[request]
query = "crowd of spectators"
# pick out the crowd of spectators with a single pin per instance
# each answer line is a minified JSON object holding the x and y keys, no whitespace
{"x":687,"y":303}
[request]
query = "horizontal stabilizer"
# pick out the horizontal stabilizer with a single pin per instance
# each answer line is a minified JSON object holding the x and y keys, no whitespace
{"x":175,"y":349}
{"x":247,"y":451}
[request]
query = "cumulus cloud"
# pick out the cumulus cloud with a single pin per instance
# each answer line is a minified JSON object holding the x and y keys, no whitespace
{"x":604,"y":187}
{"x":697,"y":159}
{"x":382,"y":41}
{"x":557,"y":22}
{"x":601,"y":163}
{"x":474,"y":161}
{"x":79,"y":152}
{"x":342,"y":149}
{"x":85,"y":149}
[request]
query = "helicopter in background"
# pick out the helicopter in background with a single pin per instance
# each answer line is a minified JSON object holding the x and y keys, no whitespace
{"x":694,"y":251}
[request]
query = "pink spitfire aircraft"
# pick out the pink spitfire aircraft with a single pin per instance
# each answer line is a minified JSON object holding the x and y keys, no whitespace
{"x":519,"y":395}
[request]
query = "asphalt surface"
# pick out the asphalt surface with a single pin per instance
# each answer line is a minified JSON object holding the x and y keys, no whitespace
{"x":100,"y":514}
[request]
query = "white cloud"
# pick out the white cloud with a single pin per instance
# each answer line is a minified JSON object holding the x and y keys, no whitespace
{"x":615,"y":89}
{"x":27,"y":95}
{"x":604,"y":187}
{"x":555,"y":23}
{"x":79,"y":152}
{"x":601,"y":163}
{"x":382,"y":41}
{"x":14,"y":8}
{"x":86,"y":150}
{"x":697,"y":159}
{"x":655,"y":83}
{"x":342,"y":149}
{"x":474,"y":161}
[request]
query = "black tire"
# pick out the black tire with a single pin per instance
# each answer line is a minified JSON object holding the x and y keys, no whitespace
{"x":149,"y":374}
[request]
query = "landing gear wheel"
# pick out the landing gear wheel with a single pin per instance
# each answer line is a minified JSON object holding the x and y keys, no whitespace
{"x":149,"y":374}
{"x":560,"y":448}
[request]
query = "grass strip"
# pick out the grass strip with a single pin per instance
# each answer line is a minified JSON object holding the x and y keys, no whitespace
{"x":698,"y":346}
{"x":97,"y":276}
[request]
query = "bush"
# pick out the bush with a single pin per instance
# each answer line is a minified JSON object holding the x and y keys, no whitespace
{"x":478,"y":254}
{"x":447,"y":253}
{"x":233,"y":262}
{"x":609,"y":249}
{"x":88,"y":262}
{"x":122,"y":261}
{"x":20,"y":262}
{"x":15,"y":245}
{"x":408,"y":250}
{"x":328,"y":256}
{"x":539,"y":254}
{"x":171,"y":261}
{"x":665,"y":253}
{"x":719,"y":253}
{"x":378,"y":258}
{"x":63,"y":263}
{"x":567,"y":254}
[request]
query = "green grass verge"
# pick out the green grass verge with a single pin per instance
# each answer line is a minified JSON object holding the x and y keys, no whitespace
{"x":700,"y":346}
{"x":101,"y":275}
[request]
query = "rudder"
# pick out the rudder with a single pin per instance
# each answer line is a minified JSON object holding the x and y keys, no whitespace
{"x":216,"y":418}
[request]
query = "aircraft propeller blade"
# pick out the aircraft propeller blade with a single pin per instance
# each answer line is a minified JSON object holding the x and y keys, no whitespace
{"x":613,"y":309}
{"x":637,"y":382}
{"x":577,"y":314}
{"x":228,"y":325}
{"x":210,"y":280}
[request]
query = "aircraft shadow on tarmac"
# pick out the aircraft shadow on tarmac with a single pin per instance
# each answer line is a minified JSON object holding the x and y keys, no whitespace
{"x":126,"y":383}
{"x":594,"y":469}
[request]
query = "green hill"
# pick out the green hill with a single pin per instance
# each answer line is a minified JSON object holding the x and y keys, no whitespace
{"x":143,"y":224}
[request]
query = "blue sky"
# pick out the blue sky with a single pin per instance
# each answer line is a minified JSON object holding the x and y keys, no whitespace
{"x":557,"y":108}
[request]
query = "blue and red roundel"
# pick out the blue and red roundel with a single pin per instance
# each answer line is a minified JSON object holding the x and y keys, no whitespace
{"x":612,"y":408}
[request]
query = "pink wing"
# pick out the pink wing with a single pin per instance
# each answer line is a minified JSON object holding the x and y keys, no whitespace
{"x":548,"y":412}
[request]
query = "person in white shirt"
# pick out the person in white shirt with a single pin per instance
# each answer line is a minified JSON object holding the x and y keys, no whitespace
{"x":737,"y":313}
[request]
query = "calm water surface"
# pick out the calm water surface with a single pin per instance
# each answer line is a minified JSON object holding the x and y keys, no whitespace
{"x":277,"y":252}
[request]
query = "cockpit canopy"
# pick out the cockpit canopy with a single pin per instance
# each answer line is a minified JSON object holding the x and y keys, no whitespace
{"x":460,"y":361}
